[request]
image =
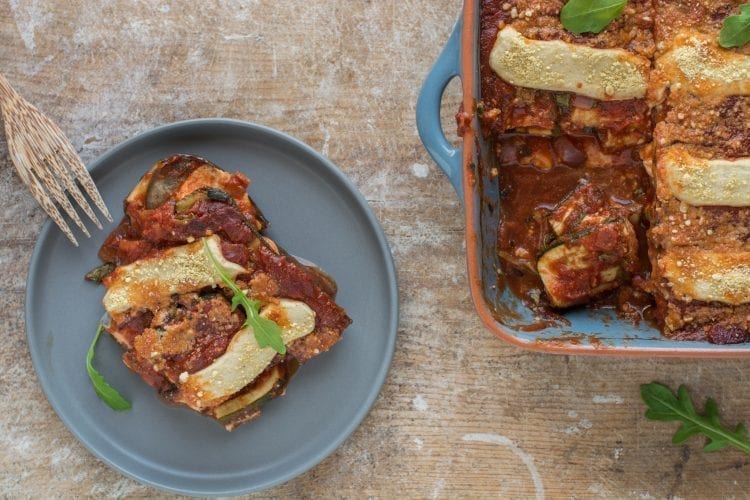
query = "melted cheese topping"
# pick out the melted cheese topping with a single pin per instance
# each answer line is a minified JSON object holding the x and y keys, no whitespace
{"x":605,"y":74}
{"x":699,"y":182}
{"x":244,"y":360}
{"x":180,"y":270}
{"x":696,"y":63}
{"x":708,"y":276}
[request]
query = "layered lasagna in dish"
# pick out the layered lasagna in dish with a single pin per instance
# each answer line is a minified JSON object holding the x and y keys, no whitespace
{"x":624,"y":162}
{"x":187,"y":223}
{"x":701,"y":218}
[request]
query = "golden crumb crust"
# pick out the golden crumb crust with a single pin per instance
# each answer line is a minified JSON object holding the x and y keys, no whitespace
{"x":677,"y":224}
{"x":717,"y":124}
{"x":540,"y":20}
{"x":673,"y":17}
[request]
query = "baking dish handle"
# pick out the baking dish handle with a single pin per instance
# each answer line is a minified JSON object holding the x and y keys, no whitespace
{"x":446,"y":68}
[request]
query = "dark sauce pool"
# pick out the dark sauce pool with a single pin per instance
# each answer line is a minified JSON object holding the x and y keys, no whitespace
{"x":535,"y":175}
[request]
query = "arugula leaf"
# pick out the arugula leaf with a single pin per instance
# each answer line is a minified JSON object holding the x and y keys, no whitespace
{"x":267,"y":332}
{"x":106,"y":392}
{"x":590,"y":16}
{"x":735,"y":32}
{"x":664,"y":405}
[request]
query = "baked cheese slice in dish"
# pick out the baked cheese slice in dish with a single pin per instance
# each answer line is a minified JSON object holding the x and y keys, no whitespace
{"x":697,"y":64}
{"x":700,"y":181}
{"x":540,"y":79}
{"x":604,"y":74}
{"x":188,"y":222}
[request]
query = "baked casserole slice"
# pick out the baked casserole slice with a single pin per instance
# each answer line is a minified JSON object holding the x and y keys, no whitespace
{"x":188,"y":222}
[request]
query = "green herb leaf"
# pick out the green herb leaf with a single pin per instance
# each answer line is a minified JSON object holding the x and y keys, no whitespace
{"x":106,"y":392}
{"x":100,"y":272}
{"x":735,"y":32}
{"x":664,"y":405}
{"x":563,"y":100}
{"x":267,"y":333}
{"x":590,"y":16}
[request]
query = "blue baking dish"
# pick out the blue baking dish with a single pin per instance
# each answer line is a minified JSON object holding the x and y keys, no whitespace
{"x":582,"y":331}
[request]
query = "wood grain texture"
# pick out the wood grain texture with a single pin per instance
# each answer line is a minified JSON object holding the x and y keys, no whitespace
{"x":461,"y":414}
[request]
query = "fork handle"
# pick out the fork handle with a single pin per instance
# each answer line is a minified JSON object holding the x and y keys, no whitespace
{"x":5,"y":89}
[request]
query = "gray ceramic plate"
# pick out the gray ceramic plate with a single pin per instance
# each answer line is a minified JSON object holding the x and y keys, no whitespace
{"x":315,"y":213}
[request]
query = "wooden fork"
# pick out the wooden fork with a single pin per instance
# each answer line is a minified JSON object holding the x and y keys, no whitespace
{"x":47,"y":162}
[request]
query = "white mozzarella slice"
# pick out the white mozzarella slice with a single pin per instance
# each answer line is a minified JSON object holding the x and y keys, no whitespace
{"x":707,"y":275}
{"x":696,"y":63}
{"x":183,"y":269}
{"x":702,"y":182}
{"x":605,"y":74}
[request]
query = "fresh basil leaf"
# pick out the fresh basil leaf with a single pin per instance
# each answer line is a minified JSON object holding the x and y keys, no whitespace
{"x":267,"y":332}
{"x":590,"y":16}
{"x":735,"y":32}
{"x":106,"y":392}
{"x":664,"y":405}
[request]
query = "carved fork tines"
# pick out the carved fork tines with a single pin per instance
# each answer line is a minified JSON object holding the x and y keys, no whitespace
{"x":47,"y":163}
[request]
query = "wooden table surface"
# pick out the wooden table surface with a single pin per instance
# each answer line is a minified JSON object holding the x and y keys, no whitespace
{"x":461,"y":413}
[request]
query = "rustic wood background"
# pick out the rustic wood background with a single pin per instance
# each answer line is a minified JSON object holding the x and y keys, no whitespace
{"x":461,"y":414}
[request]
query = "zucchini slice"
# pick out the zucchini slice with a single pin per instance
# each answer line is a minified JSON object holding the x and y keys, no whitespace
{"x":588,"y":264}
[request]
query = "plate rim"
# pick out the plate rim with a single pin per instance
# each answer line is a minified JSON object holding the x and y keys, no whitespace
{"x":391,"y":335}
